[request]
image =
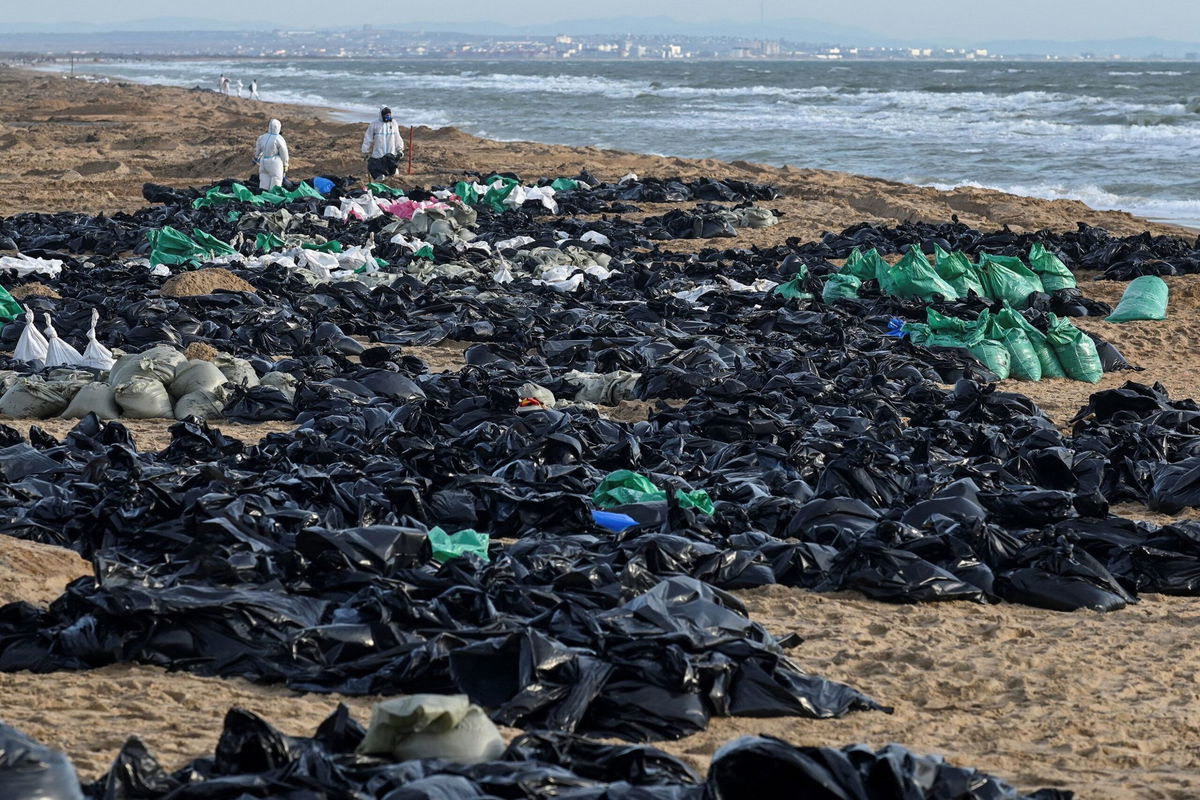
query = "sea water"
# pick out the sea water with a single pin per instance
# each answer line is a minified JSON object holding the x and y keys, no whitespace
{"x":1114,"y":135}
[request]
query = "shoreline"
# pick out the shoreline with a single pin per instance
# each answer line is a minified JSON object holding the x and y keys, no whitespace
{"x":351,"y":113}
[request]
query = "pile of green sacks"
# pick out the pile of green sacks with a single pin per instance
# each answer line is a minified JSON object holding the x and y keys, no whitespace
{"x":952,"y":276}
{"x":1010,"y":346}
{"x":496,"y":195}
{"x":174,"y":248}
{"x":271,"y":197}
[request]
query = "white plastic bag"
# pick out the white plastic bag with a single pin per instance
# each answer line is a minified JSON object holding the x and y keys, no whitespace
{"x":32,"y":345}
{"x":59,"y":353}
{"x":96,"y":355}
{"x":27,"y":265}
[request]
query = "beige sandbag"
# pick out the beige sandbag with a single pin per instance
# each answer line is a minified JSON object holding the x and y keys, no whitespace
{"x":202,"y":404}
{"x":159,"y":363}
{"x":283,"y":381}
{"x":32,"y":398}
{"x":755,"y":217}
{"x":195,"y":376}
{"x":237,"y":371}
{"x":144,"y":398}
{"x":432,"y":726}
{"x":94,"y":398}
{"x":67,"y":388}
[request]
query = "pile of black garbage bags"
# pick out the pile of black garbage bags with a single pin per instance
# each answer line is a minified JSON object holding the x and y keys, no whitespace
{"x":838,"y":458}
{"x":253,"y":760}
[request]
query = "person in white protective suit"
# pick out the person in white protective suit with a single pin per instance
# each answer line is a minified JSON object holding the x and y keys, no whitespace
{"x":271,"y":155}
{"x":239,"y":87}
{"x":383,"y":145}
{"x":224,"y":84}
{"x":253,"y":90}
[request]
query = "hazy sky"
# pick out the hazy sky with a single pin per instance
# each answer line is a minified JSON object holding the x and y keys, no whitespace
{"x":977,"y":20}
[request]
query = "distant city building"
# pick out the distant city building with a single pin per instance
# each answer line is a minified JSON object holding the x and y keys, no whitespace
{"x":373,"y":41}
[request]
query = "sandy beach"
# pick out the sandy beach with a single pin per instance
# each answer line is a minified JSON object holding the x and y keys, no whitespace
{"x":1100,"y":704}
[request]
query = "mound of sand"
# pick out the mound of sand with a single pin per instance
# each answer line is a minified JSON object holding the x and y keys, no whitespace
{"x":33,"y":290}
{"x":204,"y":281}
{"x":200,"y":351}
{"x":36,"y":573}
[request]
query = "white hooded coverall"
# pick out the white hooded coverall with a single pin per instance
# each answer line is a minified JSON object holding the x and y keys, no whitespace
{"x":271,"y":153}
{"x":383,"y":139}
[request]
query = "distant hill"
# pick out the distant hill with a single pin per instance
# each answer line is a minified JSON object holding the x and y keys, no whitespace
{"x":157,"y":25}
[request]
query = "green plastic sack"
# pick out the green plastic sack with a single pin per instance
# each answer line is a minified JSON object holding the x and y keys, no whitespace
{"x":1007,"y":280}
{"x":943,"y":331}
{"x":169,"y":246}
{"x":495,"y":197}
{"x":626,"y":487}
{"x":332,"y":246}
{"x":994,"y":356}
{"x":266,"y":242}
{"x":174,"y":248}
{"x":1008,"y":318}
{"x":240,"y":193}
{"x":211,"y":244}
{"x":958,"y":271}
{"x":467,"y":192}
{"x":564,"y":185}
{"x":1145,"y":298}
{"x":1075,"y":350}
{"x":941,"y":323}
{"x":864,"y":266}
{"x":1053,"y":273}
{"x":1023,"y":360}
{"x":278,"y":195}
{"x":913,"y":276}
{"x":10,"y":309}
{"x":795,"y":288}
{"x":383,"y":190}
{"x":840,"y":287}
{"x":452,"y":545}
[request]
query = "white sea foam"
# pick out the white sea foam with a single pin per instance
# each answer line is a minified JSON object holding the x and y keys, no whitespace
{"x":1182,"y":212}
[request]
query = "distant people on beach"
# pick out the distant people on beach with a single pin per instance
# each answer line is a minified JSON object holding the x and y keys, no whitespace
{"x":271,"y":155}
{"x":253,"y":89}
{"x":383,"y":146}
{"x":239,"y":87}
{"x":224,"y":84}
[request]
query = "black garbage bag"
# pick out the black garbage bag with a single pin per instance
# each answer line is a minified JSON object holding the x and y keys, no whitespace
{"x":762,"y":766}
{"x":30,"y":771}
{"x":1110,"y":357}
{"x":1061,"y":577}
{"x":1175,"y":486}
{"x":258,"y":404}
{"x":895,"y":575}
